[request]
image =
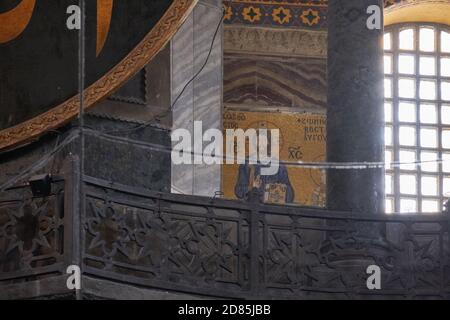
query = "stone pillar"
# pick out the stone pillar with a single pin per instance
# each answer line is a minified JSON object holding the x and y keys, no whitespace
{"x":202,"y":98}
{"x":355,"y":107}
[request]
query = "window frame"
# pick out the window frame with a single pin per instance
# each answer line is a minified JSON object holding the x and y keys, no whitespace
{"x":395,"y":123}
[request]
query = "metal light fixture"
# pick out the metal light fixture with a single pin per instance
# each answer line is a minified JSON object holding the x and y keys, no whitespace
{"x":41,"y":185}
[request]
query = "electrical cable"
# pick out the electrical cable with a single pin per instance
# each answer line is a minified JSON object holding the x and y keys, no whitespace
{"x":42,"y":162}
{"x":82,"y":126}
{"x":301,"y":164}
{"x":170,"y":109}
{"x":82,"y":129}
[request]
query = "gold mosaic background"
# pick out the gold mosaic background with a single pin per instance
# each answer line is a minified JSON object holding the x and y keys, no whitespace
{"x":303,"y":138}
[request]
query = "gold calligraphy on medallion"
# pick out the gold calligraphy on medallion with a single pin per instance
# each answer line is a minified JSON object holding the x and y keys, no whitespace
{"x":14,"y":22}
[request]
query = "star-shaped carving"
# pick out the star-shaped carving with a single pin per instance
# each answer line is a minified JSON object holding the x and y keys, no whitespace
{"x":108,"y":229}
{"x":152,"y":238}
{"x":291,"y":259}
{"x":28,"y":229}
{"x":413,"y":264}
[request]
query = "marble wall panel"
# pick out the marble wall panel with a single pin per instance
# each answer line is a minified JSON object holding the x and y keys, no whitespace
{"x":201,"y":99}
{"x":297,"y":83}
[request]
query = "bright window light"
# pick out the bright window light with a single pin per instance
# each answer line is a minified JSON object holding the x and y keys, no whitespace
{"x":406,"y":64}
{"x":388,"y":159}
{"x":407,"y":136}
{"x":446,"y":162}
{"x":445,"y":41}
{"x":388,"y":136}
{"x":407,"y":88}
{"x":408,"y":206}
{"x":417,"y":117}
{"x":387,"y":64}
{"x":430,"y":186}
{"x":429,"y":161}
{"x":408,"y":184}
{"x":446,"y":186}
{"x":445,"y":91}
{"x":387,"y":88}
{"x":430,"y":206}
{"x":428,"y":90}
{"x":429,"y":138}
{"x":407,"y":39}
{"x":388,"y":112}
{"x":389,"y":205}
{"x":427,"y":40}
{"x":427,"y":66}
{"x":445,"y":114}
{"x":446,"y":139}
{"x":407,"y":160}
{"x":407,"y":112}
{"x":445,"y":67}
{"x":387,"y":41}
{"x":388,"y":182}
{"x":428,"y":113}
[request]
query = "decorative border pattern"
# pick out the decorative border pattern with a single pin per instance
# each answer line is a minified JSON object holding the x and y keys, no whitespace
{"x":310,"y":14}
{"x":388,"y":3}
{"x":149,"y":47}
{"x":401,"y":3}
{"x":275,"y":41}
{"x":279,"y":13}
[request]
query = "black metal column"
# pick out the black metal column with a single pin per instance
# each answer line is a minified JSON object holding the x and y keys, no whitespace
{"x":355,"y":107}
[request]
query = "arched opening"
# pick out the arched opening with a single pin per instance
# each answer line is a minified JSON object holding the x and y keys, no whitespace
{"x":431,"y":11}
{"x":417,"y":106}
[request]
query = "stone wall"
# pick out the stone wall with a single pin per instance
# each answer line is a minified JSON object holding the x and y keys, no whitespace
{"x":127,"y":159}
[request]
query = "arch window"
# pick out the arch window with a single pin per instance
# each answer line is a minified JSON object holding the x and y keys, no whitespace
{"x":417,"y":117}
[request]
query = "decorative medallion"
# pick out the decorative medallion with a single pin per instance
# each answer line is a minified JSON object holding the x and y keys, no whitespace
{"x":39,"y":57}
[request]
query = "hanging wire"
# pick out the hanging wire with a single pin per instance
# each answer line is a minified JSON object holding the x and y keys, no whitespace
{"x":81,"y":84}
{"x":73,"y":135}
{"x":109,"y":135}
{"x":170,"y":109}
{"x":300,"y":164}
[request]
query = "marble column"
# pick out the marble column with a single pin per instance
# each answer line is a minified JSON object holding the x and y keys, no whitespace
{"x":355,"y":107}
{"x":202,"y":98}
